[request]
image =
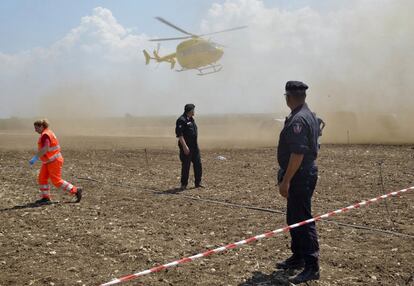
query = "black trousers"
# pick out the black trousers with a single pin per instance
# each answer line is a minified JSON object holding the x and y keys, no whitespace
{"x":186,"y":160}
{"x":304,"y":239}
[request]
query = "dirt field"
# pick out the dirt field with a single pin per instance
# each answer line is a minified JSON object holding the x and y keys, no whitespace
{"x":122,"y":226}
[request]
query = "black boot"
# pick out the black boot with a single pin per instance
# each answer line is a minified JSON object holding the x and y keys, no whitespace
{"x":293,"y":262}
{"x":308,"y":274}
{"x":78,"y":195}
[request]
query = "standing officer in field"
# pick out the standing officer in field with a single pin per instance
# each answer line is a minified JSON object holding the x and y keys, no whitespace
{"x":186,"y":132}
{"x":297,"y":177}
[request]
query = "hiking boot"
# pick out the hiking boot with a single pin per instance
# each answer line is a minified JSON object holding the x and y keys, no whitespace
{"x":183,"y":187}
{"x":43,"y":201}
{"x":199,"y":186}
{"x":307,"y":274}
{"x":292,"y":263}
{"x":78,"y":195}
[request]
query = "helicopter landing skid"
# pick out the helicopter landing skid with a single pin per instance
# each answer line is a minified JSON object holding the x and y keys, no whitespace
{"x":211,"y":69}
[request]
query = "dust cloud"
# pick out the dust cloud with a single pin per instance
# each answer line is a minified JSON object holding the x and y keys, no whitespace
{"x":357,"y":59}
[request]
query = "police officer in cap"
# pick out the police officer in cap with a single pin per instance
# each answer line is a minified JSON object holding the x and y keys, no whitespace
{"x":186,"y":132}
{"x":297,"y":177}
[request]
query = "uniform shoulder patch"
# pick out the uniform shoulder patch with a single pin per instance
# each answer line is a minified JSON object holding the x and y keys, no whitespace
{"x":297,"y":127}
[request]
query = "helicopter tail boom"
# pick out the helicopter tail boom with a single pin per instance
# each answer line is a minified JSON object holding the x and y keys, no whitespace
{"x":168,"y":58}
{"x":156,"y":56}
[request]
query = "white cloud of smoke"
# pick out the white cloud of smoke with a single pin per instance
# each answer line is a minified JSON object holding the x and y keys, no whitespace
{"x":355,"y":59}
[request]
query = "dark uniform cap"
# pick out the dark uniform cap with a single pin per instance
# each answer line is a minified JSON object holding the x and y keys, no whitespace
{"x":189,"y":107}
{"x":293,"y":85}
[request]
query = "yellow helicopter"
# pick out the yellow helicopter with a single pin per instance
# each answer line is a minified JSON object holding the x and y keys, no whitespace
{"x":194,"y":53}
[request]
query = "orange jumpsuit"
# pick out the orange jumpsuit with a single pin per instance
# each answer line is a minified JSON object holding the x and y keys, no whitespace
{"x":52,"y":163}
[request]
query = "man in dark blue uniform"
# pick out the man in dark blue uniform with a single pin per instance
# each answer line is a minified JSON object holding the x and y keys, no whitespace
{"x":297,"y":177}
{"x":186,"y":132}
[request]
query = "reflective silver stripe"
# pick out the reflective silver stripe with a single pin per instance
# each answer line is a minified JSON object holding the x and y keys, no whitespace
{"x":44,"y":192}
{"x":44,"y":186}
{"x":53,"y":158}
{"x":66,"y":186}
{"x":54,"y":148}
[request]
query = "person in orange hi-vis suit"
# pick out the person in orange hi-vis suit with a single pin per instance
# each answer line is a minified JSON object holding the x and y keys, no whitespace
{"x":52,"y":162}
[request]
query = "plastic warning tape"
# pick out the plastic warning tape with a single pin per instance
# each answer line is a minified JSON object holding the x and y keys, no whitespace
{"x":251,"y":239}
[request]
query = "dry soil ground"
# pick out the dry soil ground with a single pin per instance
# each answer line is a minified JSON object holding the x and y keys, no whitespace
{"x":130,"y":219}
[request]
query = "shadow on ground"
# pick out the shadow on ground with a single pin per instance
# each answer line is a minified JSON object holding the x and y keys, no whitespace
{"x":32,"y":206}
{"x":276,"y":278}
{"x":173,"y":191}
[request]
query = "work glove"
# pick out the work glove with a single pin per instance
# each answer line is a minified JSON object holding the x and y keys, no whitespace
{"x":33,"y":160}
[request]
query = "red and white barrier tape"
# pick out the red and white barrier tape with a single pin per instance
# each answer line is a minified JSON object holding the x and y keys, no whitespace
{"x":251,"y":239}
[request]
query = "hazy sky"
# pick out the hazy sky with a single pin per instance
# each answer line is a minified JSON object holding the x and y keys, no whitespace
{"x":84,"y":58}
{"x":40,"y":23}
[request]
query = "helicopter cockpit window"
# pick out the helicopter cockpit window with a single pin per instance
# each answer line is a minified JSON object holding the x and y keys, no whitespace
{"x":211,"y":47}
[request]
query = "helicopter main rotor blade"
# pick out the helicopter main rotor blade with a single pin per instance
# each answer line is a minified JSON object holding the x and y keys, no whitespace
{"x":218,"y":44}
{"x":170,"y":39}
{"x":173,"y":26}
{"x":223,"y":31}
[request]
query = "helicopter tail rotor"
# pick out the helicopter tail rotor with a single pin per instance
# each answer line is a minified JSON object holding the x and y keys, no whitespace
{"x":147,"y":57}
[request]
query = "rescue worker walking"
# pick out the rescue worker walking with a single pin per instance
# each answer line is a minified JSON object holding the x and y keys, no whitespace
{"x":187,"y":133}
{"x":297,"y":177}
{"x":52,"y":162}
